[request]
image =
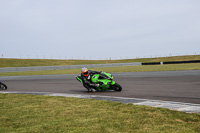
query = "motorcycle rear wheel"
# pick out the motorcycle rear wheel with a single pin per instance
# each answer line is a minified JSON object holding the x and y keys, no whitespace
{"x":3,"y":86}
{"x":117,"y":87}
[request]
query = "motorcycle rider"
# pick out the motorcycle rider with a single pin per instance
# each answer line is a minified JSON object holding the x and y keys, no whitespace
{"x":86,"y":78}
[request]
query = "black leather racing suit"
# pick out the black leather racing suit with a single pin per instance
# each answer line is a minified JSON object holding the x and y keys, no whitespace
{"x":87,"y":83}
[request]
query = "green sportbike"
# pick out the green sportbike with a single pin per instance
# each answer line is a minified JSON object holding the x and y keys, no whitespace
{"x":105,"y":81}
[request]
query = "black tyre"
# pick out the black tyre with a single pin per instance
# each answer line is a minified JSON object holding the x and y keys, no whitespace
{"x":117,"y":87}
{"x":3,"y":86}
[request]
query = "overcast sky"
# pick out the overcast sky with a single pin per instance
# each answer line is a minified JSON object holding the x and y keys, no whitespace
{"x":99,"y":29}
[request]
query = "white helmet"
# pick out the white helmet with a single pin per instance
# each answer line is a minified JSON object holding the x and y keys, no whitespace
{"x":84,"y":71}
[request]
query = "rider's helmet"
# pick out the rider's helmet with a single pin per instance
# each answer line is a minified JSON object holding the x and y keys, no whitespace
{"x":84,"y":71}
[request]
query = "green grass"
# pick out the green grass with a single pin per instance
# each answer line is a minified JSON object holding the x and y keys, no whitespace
{"x":144,"y":68}
{"x":48,"y":62}
{"x":32,"y":113}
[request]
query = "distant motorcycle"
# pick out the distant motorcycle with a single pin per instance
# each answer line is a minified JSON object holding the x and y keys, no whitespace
{"x":3,"y":86}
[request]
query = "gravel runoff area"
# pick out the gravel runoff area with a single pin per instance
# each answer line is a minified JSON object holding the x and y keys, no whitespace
{"x":21,"y":69}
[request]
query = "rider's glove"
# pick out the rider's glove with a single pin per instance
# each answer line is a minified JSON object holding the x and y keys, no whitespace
{"x":96,"y":85}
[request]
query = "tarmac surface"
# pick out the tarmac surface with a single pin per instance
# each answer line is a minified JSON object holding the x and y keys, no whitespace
{"x":171,"y":88}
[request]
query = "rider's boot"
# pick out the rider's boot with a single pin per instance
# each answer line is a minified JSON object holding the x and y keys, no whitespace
{"x":93,"y":90}
{"x":89,"y":90}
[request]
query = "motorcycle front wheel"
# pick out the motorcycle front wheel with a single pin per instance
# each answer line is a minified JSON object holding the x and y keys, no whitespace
{"x":117,"y":87}
{"x":3,"y":86}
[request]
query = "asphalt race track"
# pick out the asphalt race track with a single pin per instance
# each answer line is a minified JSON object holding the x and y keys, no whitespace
{"x":177,"y":86}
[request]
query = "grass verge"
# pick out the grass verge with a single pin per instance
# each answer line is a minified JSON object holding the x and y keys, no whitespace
{"x":145,"y":68}
{"x":49,"y":62}
{"x":32,"y":113}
